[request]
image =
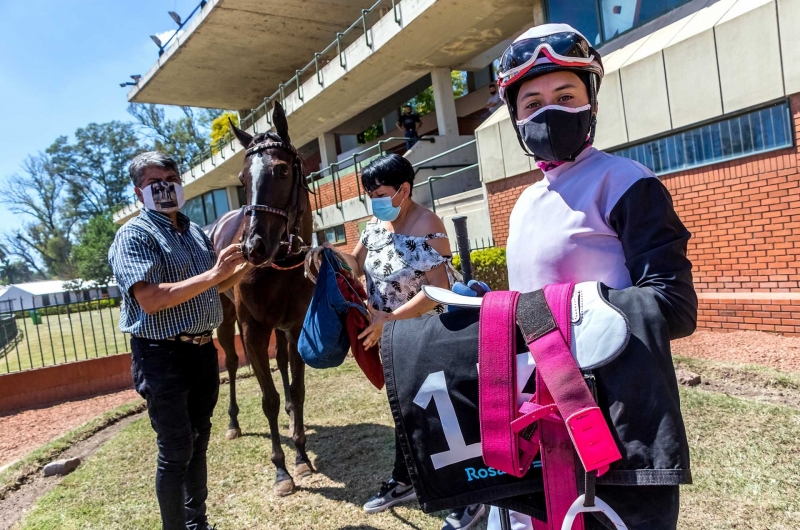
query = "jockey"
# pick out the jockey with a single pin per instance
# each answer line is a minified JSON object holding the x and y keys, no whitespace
{"x":599,"y":217}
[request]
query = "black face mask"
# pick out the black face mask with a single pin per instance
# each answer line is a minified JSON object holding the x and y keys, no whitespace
{"x":555,"y":133}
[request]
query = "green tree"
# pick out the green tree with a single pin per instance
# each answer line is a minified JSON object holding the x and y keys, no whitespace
{"x":94,"y":168}
{"x":371,"y":133}
{"x":184,"y":138}
{"x":13,"y":270}
{"x":221,"y":132}
{"x":90,"y":254}
{"x":45,"y":237}
{"x":423,"y":103}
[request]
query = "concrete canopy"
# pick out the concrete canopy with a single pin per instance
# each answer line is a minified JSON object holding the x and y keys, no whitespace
{"x":235,"y":52}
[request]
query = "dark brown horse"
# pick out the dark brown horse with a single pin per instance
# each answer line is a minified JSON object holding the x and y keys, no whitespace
{"x":274,"y":295}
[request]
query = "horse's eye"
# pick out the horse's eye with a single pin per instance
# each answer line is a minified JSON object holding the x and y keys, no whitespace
{"x":283,"y":170}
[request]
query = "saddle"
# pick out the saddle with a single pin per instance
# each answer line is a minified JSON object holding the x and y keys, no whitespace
{"x":534,"y":408}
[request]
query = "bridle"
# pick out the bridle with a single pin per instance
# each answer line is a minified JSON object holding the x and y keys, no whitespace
{"x":293,"y":243}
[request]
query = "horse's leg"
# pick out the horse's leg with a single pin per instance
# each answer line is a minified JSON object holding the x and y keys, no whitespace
{"x":256,"y":336}
{"x":226,"y":333}
{"x":282,"y":356}
{"x":297,"y":389}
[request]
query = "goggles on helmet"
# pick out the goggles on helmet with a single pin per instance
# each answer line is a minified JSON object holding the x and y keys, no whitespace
{"x":568,"y":48}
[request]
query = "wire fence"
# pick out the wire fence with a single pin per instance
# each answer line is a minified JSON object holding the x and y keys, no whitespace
{"x":34,"y":336}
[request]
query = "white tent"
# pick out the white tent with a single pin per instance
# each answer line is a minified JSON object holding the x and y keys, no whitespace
{"x":46,"y":293}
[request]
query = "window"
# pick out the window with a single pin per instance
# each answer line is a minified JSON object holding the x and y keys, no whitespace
{"x":66,"y":297}
{"x":45,"y":299}
{"x":755,"y":132}
{"x":580,"y":14}
{"x":207,"y":208}
{"x":87,"y":296}
{"x":602,"y":20}
{"x":333,"y":234}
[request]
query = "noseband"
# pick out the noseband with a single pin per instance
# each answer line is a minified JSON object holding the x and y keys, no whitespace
{"x":294,"y":244}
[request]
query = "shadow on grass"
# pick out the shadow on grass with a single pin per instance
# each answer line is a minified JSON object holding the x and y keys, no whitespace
{"x":357,"y":456}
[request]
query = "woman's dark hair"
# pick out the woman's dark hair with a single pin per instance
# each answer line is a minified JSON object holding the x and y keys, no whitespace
{"x":389,"y":170}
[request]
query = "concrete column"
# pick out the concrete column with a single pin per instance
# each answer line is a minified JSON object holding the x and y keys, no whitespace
{"x":446,"y":118}
{"x":233,"y":197}
{"x":390,"y":122}
{"x":327,"y":149}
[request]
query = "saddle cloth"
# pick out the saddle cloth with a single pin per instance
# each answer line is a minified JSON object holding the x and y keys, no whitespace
{"x":431,"y":371}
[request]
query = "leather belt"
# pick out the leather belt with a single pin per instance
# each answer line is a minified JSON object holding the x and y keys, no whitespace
{"x":198,"y":340}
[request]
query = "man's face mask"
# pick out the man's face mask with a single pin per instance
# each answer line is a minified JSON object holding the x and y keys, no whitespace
{"x":556,"y":133}
{"x":164,"y":197}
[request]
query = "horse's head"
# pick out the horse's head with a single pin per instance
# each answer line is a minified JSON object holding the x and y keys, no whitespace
{"x":276,"y":192}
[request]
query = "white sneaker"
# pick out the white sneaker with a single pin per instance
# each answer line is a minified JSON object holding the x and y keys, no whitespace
{"x":391,"y":493}
{"x":464,"y":518}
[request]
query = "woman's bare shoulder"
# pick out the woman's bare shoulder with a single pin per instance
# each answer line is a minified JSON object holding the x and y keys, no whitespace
{"x":428,"y":223}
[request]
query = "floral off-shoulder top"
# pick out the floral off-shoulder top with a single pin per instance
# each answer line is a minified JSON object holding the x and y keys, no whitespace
{"x":396,"y":265}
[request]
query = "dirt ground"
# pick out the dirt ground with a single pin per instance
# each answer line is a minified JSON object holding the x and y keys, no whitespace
{"x":22,"y":432}
{"x":742,"y":347}
{"x":14,"y":507}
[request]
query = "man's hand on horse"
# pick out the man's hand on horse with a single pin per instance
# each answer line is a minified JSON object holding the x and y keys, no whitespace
{"x":228,"y":262}
{"x":372,"y":335}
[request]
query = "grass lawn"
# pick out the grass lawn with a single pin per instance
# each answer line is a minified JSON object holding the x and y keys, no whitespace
{"x":85,"y":335}
{"x":746,"y":466}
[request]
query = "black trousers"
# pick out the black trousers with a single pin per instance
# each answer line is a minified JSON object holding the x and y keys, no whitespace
{"x":411,"y":139}
{"x":400,"y":469}
{"x":180,"y":383}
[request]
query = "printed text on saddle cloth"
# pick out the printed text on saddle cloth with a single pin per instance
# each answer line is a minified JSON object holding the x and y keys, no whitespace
{"x":435,"y":389}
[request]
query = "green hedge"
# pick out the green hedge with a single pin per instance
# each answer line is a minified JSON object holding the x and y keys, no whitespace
{"x":489,"y":266}
{"x":77,"y":307}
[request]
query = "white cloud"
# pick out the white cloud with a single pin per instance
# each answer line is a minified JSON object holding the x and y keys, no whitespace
{"x":164,"y":36}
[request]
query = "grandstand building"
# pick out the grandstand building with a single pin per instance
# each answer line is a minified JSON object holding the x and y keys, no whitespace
{"x":704,"y":92}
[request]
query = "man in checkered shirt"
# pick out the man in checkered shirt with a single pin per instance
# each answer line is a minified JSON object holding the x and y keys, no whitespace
{"x":170,"y":278}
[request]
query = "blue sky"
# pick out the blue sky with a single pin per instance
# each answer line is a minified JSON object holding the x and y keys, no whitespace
{"x":61,"y":63}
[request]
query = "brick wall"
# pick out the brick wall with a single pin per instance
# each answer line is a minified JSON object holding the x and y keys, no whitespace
{"x":501,"y":196}
{"x":351,"y":235}
{"x":744,"y":216}
{"x":346,"y":188}
{"x":64,"y":382}
{"x":768,"y":312}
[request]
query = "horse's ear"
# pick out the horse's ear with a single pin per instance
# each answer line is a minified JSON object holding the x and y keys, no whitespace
{"x":281,"y":125}
{"x":242,"y":136}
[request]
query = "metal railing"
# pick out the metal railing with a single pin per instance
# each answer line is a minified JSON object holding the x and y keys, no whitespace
{"x":164,"y":46}
{"x":477,"y":244}
{"x":434,"y":178}
{"x":46,"y":335}
{"x":333,"y":169}
{"x":263,"y":110}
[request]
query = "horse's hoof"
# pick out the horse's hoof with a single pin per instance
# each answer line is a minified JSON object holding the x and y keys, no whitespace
{"x":303,"y":469}
{"x":233,"y":434}
{"x":284,"y":488}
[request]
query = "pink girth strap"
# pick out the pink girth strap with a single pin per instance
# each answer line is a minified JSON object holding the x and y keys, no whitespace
{"x":497,"y":405}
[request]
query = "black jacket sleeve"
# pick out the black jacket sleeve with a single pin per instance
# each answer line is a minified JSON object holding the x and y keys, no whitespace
{"x":654,"y":241}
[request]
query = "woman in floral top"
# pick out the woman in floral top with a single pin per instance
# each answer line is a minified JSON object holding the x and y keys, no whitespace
{"x":403,"y":248}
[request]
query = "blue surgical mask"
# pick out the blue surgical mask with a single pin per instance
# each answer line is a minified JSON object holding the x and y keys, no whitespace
{"x":382,"y":208}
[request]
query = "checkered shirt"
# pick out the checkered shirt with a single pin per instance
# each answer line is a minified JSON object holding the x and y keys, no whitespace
{"x":149,"y":249}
